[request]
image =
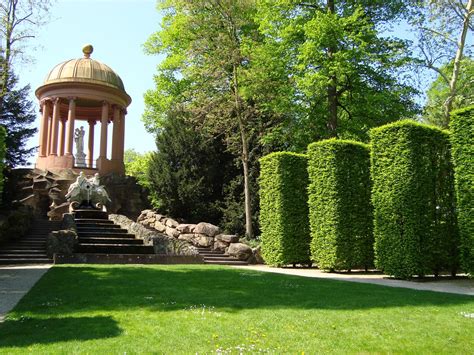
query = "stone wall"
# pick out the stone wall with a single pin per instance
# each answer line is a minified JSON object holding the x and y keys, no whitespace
{"x":162,"y":243}
{"x":201,"y":235}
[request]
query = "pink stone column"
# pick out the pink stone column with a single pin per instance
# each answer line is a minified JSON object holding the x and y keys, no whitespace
{"x":62,"y":136}
{"x":54,"y":138}
{"x":43,"y":149}
{"x":103,"y":130}
{"x":116,"y":133}
{"x":49,"y":135}
{"x":90,"y":146}
{"x":122,"y":135}
{"x":71,"y":117}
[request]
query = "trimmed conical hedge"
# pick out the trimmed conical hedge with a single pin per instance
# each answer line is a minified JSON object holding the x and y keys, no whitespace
{"x":284,"y":209}
{"x":413,"y":196}
{"x":462,"y":140}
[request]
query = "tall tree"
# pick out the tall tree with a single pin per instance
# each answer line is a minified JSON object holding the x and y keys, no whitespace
{"x":16,"y":115}
{"x":346,"y":76}
{"x":187,"y":173}
{"x":206,"y":71}
{"x":439,"y":91}
{"x":18,"y":21}
{"x":443,"y":28}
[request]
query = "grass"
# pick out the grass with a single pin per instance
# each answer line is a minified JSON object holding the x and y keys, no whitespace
{"x":205,"y":309}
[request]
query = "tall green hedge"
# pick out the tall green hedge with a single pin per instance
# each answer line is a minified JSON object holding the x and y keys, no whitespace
{"x":284,"y":209}
{"x":462,"y":139}
{"x":413,"y":196}
{"x":3,"y":149}
{"x":340,"y":209}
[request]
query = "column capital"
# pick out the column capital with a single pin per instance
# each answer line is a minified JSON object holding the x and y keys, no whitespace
{"x":56,"y":100}
{"x":105,"y":103}
{"x":72,"y":98}
{"x":92,"y":122}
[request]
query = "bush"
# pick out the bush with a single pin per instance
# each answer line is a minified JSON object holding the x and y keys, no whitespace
{"x":462,"y":139}
{"x":413,"y":197}
{"x":284,"y":209}
{"x":340,"y":211}
{"x":16,"y":223}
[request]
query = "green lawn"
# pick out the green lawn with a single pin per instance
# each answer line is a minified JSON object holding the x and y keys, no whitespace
{"x":205,"y":309}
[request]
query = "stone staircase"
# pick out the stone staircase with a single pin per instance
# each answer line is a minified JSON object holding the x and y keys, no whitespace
{"x":30,"y":249}
{"x":217,"y":257}
{"x":98,"y":235}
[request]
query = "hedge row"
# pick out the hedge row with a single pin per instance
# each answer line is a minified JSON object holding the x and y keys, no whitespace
{"x":340,"y":210}
{"x":413,"y":196}
{"x":462,"y":140}
{"x":283,"y":209}
{"x":3,"y":149}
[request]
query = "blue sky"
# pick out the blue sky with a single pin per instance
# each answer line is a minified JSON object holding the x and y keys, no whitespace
{"x":117,"y":29}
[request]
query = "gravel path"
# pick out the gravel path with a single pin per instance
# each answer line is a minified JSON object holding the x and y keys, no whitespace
{"x":15,"y":282}
{"x":459,"y":286}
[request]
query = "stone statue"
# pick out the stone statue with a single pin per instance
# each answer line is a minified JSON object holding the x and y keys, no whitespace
{"x":87,"y":192}
{"x":79,"y":139}
{"x":79,"y":134}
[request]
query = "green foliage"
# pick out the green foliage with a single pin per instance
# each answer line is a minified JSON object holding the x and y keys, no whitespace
{"x":333,"y":67}
{"x":136,"y":165}
{"x":462,"y":140}
{"x":3,"y":135}
{"x":413,"y":197}
{"x":16,"y":223}
{"x":16,"y":115}
{"x":439,"y":91}
{"x":187,"y":172}
{"x":340,"y":210}
{"x":284,"y":209}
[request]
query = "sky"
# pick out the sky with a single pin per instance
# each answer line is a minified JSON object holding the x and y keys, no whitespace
{"x":117,"y":29}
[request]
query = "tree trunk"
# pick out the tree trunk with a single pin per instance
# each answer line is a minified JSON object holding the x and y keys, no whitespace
{"x":9,"y":23}
{"x":448,"y":104}
{"x":332,"y":88}
{"x":244,"y":157}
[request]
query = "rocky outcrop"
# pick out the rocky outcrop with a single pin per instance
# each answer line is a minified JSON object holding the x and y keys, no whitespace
{"x":162,"y":243}
{"x":201,"y":235}
{"x":61,"y":242}
{"x":64,"y":240}
{"x":240,"y":251}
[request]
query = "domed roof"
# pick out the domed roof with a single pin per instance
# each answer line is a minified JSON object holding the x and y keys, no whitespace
{"x":85,"y":70}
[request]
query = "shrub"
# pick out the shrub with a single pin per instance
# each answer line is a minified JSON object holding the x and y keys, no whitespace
{"x":340,"y":210}
{"x":284,"y":209}
{"x":413,"y":197}
{"x":462,"y":138}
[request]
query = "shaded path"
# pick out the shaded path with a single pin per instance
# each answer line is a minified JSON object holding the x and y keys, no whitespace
{"x":15,"y":282}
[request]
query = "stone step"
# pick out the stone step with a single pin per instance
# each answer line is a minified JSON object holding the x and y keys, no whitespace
{"x":105,"y":234}
{"x":94,"y":248}
{"x":27,"y":261}
{"x":220,"y":258}
{"x":94,"y":226}
{"x":98,"y":240}
{"x":20,"y":251}
{"x":24,"y":255}
{"x":92,"y":220}
{"x":226,"y":262}
{"x":214,"y":253}
{"x":90,"y":214}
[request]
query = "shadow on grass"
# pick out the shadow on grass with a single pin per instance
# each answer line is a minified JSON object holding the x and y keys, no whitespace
{"x":69,"y":289}
{"x":52,"y":330}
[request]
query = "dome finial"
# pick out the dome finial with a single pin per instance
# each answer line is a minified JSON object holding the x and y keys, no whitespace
{"x":87,"y":50}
